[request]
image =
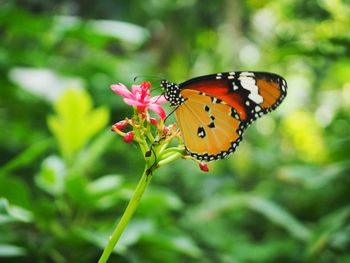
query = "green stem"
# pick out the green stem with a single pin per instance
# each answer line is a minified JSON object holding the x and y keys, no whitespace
{"x":129,"y":211}
{"x":170,"y":158}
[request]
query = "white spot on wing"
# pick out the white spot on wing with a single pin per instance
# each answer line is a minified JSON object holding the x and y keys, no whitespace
{"x":234,"y":87}
{"x":248,"y":83}
{"x":246,"y":74}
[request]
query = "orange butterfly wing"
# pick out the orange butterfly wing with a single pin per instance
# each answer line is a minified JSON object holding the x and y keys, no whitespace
{"x":212,"y":111}
{"x":211,"y":130}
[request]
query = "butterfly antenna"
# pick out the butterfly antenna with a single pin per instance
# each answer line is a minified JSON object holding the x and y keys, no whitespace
{"x":159,"y":96}
{"x":170,"y":114}
{"x":154,"y":77}
{"x":156,"y":88}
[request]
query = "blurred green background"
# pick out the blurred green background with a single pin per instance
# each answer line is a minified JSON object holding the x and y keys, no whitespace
{"x":65,"y":179}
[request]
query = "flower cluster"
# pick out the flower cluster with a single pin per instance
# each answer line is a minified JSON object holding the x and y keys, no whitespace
{"x":142,"y":132}
{"x":153,"y":138}
{"x":140,"y":97}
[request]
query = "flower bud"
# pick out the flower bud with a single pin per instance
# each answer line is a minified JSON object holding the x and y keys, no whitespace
{"x":204,"y":167}
{"x":153,"y":121}
{"x":129,"y":136}
{"x":119,"y":125}
{"x":166,"y":130}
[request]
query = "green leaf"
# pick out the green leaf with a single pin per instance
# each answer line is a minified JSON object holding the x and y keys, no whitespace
{"x":11,"y":213}
{"x":186,"y":245}
{"x":279,"y":216}
{"x":16,"y":191}
{"x":131,"y":235}
{"x":133,"y":35}
{"x":76,"y":188}
{"x":105,"y":184}
{"x":175,"y":241}
{"x":272,"y":211}
{"x":75,"y":122}
{"x":11,"y":251}
{"x":87,"y":158}
{"x":166,"y":200}
{"x":105,"y":191}
{"x":313,"y":176}
{"x":333,"y":231}
{"x":52,"y":175}
{"x":27,"y":156}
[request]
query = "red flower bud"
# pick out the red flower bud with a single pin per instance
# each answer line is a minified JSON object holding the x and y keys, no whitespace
{"x":129,"y":136}
{"x":153,"y":121}
{"x":166,"y":130}
{"x":204,"y":167}
{"x":119,"y":125}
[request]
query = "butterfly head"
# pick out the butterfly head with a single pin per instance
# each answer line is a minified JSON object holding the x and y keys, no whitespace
{"x":172,"y":93}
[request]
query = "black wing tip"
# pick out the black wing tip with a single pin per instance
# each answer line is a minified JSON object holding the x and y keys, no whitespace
{"x":262,"y":74}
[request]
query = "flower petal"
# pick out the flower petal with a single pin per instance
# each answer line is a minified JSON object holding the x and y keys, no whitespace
{"x":157,"y":109}
{"x":133,"y":102}
{"x":158,"y":99}
{"x":136,"y":89}
{"x":121,"y":90}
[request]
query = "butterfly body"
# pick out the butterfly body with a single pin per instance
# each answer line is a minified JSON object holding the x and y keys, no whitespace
{"x":212,"y":111}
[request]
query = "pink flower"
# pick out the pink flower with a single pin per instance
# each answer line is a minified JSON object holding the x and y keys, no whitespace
{"x":140,"y":97}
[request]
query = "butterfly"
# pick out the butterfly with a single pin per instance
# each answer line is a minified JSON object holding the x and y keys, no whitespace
{"x":213,"y":111}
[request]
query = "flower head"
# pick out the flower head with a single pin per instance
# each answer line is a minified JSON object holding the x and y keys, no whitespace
{"x":146,"y":130}
{"x":140,"y":97}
